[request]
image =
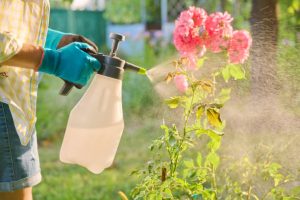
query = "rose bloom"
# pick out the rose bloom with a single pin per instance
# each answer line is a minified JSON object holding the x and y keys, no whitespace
{"x":181,"y":83}
{"x":187,"y":35}
{"x":239,"y":47}
{"x":219,"y":31}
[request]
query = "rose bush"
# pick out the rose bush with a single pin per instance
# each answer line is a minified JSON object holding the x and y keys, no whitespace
{"x":185,"y":159}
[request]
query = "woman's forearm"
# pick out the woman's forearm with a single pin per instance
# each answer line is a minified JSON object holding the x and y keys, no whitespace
{"x":29,"y":57}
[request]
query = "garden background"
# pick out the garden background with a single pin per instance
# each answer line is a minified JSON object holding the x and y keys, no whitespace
{"x":271,"y":131}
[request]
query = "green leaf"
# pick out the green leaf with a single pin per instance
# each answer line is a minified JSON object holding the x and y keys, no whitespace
{"x":151,"y":147}
{"x":207,"y":85}
{"x":199,"y":159}
{"x":172,"y":141}
{"x":214,"y":117}
{"x":173,"y":102}
{"x":158,"y":196}
{"x":214,"y":144}
{"x":200,"y":112}
{"x":202,"y":174}
{"x":277,"y":179}
{"x":216,"y":105}
{"x":151,"y":196}
{"x":167,"y":193}
{"x":226,"y":74}
{"x":273,"y":169}
{"x":213,"y":134}
{"x":224,"y":95}
{"x":164,"y":127}
{"x":212,"y":159}
{"x":233,"y":70}
{"x":200,"y":62}
{"x":237,"y":72}
{"x":189,"y":163}
{"x":134,"y":172}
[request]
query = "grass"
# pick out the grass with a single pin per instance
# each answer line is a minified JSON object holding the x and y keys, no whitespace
{"x":70,"y":182}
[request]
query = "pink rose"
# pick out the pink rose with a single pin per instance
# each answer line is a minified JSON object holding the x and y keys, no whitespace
{"x":219,"y":31}
{"x":241,"y":40}
{"x":217,"y":43}
{"x":187,"y":33}
{"x":181,"y":83}
{"x":219,"y":24}
{"x":185,"y":43}
{"x":239,"y":47}
{"x":199,"y":16}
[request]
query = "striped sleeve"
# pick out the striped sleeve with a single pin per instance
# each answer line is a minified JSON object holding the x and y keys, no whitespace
{"x":9,"y":46}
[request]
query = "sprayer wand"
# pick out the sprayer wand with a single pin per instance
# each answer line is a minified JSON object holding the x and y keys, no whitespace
{"x":111,"y":65}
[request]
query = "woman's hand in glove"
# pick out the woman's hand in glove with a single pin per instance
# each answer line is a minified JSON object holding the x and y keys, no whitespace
{"x":70,"y":63}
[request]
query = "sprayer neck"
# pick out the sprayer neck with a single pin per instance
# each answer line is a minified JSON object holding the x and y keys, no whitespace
{"x":112,"y":67}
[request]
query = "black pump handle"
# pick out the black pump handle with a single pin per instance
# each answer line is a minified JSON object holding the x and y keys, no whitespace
{"x":117,"y":38}
{"x":67,"y":88}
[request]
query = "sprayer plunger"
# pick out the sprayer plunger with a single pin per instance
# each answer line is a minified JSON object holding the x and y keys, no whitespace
{"x":111,"y":65}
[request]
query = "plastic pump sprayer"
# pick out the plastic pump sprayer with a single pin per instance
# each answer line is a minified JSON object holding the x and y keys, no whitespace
{"x":96,"y":123}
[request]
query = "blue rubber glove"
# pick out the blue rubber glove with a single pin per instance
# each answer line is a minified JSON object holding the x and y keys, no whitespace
{"x":57,"y":40}
{"x":53,"y":38}
{"x":70,"y":63}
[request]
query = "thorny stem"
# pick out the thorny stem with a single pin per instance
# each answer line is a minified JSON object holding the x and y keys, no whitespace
{"x":184,"y":134}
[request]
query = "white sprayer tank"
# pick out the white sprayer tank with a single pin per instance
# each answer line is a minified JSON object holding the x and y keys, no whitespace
{"x":95,"y":126}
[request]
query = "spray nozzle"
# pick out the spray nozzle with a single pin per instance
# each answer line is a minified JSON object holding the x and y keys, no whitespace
{"x":135,"y":68}
{"x":112,"y":66}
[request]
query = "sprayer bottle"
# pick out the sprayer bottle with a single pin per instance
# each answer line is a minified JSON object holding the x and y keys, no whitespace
{"x":96,"y":123}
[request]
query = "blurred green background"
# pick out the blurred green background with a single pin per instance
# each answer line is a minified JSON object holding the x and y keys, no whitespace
{"x":140,"y":102}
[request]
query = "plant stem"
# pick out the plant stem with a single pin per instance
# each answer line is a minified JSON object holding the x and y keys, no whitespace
{"x":163,"y":174}
{"x":249,"y":192}
{"x":214,"y":181}
{"x":184,"y":133}
{"x":168,"y":147}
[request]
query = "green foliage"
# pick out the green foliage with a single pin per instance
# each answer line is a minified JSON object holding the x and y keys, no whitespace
{"x":153,"y":11}
{"x":171,"y":174}
{"x":243,"y":178}
{"x":234,"y":71}
{"x":123,"y":12}
{"x":176,"y":172}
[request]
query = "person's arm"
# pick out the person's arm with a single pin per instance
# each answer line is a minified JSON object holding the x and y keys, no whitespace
{"x":70,"y":63}
{"x":29,"y":56}
{"x":9,"y":46}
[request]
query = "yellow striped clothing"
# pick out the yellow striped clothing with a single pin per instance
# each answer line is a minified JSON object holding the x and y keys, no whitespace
{"x":21,"y":21}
